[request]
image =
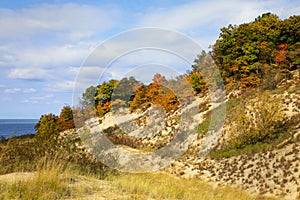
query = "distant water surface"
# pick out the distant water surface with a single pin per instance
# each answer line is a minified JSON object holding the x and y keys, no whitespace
{"x":17,"y":127}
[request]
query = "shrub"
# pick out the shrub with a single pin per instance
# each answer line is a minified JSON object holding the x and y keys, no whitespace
{"x":259,"y":121}
{"x":47,"y":129}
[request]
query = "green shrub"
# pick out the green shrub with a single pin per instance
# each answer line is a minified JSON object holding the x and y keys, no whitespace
{"x":47,"y":129}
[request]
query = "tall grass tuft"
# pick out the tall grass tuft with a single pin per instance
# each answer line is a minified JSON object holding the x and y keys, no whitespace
{"x":50,"y":181}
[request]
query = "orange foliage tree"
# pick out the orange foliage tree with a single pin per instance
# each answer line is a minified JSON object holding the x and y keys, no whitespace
{"x":154,"y":93}
{"x":66,"y":120}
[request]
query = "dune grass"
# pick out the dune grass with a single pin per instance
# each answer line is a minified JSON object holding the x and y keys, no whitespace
{"x":48,"y":182}
{"x":53,"y":179}
{"x":53,"y":176}
{"x":56,"y":181}
{"x":163,"y":186}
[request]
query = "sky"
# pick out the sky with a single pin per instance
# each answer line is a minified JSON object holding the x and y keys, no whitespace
{"x":45,"y":44}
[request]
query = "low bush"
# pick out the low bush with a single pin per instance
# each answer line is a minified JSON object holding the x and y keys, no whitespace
{"x":260,"y":120}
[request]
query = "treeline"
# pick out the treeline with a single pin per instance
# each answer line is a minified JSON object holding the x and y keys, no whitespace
{"x":128,"y":93}
{"x":260,"y":53}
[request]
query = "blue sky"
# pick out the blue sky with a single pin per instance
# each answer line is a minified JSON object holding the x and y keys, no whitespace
{"x":44,"y":43}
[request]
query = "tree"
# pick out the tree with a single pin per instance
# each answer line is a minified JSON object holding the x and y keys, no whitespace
{"x":197,"y":82}
{"x":125,"y":88}
{"x":104,"y":97}
{"x":139,"y":98}
{"x":241,"y":50}
{"x":290,"y":30}
{"x":198,"y":61}
{"x":154,"y":93}
{"x":294,"y":55}
{"x":204,"y":74}
{"x":66,"y":114}
{"x":88,"y":97}
{"x":159,"y":79}
{"x":66,"y":120}
{"x":47,"y":129}
{"x":105,"y":91}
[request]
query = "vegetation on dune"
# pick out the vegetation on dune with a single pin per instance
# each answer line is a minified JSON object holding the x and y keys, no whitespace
{"x":259,"y":120}
{"x":162,"y":186}
{"x":255,"y":123}
{"x":256,"y":55}
{"x":53,"y":179}
{"x":25,"y":153}
{"x":253,"y":57}
{"x":50,"y":125}
{"x":259,"y":52}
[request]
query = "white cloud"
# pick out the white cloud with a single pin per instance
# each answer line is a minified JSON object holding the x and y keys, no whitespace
{"x":48,"y":56}
{"x":141,"y":47}
{"x":5,"y":58}
{"x":28,"y":74}
{"x":37,"y":99}
{"x":65,"y":86}
{"x":43,"y":97}
{"x":90,"y":72}
{"x":88,"y":76}
{"x":29,"y":90}
{"x":2,"y":86}
{"x":203,"y":19}
{"x":54,"y":56}
{"x":77,"y":21}
{"x":17,"y":90}
{"x":39,"y":41}
{"x":150,"y":61}
{"x":198,"y":13}
{"x":29,"y":101}
{"x":12,"y":90}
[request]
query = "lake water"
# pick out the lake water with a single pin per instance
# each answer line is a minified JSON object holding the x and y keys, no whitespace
{"x":17,"y":127}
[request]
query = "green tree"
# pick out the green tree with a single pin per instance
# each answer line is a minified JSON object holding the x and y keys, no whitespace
{"x":88,"y":97}
{"x":197,"y":82}
{"x":241,"y":51}
{"x":125,"y":88}
{"x":290,"y":33}
{"x":198,"y":61}
{"x":204,"y":74}
{"x":294,"y":55}
{"x":105,"y":91}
